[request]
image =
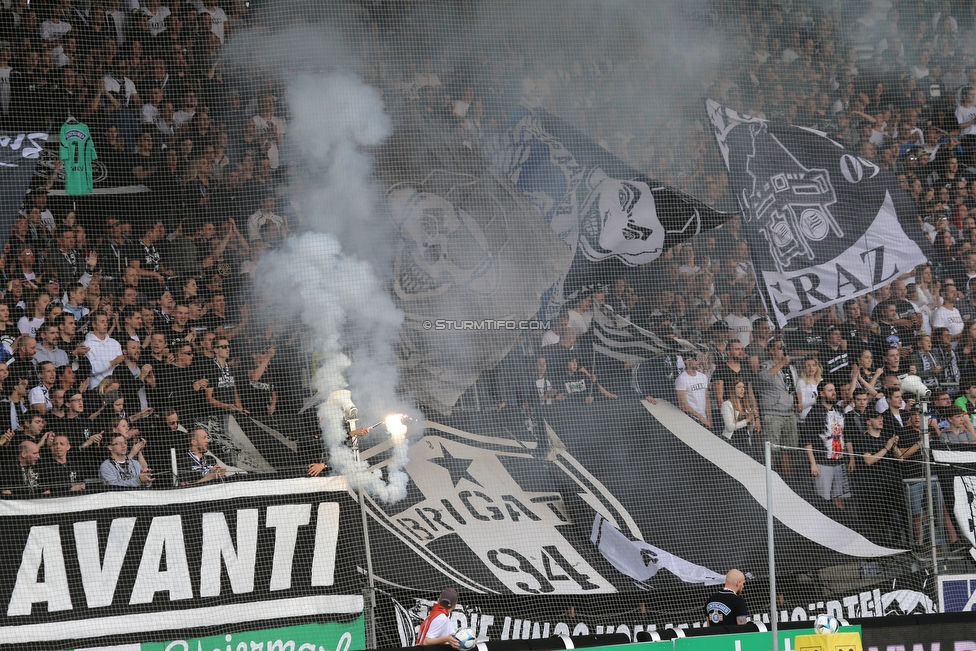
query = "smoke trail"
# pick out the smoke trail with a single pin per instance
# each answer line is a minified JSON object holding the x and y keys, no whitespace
{"x":339,"y":297}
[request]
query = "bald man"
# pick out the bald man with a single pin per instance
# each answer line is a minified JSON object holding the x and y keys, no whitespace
{"x":22,"y":477}
{"x":727,"y":607}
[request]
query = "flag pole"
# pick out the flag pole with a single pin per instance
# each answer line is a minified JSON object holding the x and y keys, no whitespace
{"x":770,"y":550}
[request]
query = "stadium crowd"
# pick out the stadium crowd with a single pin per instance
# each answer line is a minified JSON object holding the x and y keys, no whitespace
{"x":126,"y":332}
{"x":891,"y":81}
{"x":127,"y":335}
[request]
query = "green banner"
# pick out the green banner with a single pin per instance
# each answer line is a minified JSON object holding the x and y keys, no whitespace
{"x":327,"y":636}
{"x":748,"y":641}
{"x":741,"y":642}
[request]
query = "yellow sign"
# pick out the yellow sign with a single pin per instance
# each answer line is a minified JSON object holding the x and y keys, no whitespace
{"x":829,"y":642}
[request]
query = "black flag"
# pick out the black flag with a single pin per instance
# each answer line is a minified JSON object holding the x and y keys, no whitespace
{"x":824,"y":225}
{"x":608,"y":214}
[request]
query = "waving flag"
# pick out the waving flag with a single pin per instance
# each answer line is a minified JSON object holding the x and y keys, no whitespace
{"x":607,"y":213}
{"x":824,"y":224}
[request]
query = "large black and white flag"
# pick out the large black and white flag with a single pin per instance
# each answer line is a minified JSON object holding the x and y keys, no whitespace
{"x":609,"y":215}
{"x":471,"y":253}
{"x":824,"y":224}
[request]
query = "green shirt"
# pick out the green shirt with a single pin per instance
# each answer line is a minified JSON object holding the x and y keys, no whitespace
{"x":963,"y":403}
{"x":77,"y":153}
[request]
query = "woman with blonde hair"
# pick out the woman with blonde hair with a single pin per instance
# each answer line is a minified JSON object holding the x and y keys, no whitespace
{"x":865,"y":376}
{"x":738,"y":416}
{"x":806,"y":385}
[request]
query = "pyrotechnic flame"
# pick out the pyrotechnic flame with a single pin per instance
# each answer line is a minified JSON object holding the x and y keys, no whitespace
{"x":394,"y":425}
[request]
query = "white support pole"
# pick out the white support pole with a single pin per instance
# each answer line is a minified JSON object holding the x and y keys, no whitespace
{"x":773,"y":615}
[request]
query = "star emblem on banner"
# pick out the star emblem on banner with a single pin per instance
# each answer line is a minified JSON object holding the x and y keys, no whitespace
{"x":457,"y":466}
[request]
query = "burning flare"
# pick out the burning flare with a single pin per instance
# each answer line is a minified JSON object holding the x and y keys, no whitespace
{"x":394,"y":425}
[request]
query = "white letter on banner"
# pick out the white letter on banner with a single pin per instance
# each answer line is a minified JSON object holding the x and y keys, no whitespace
{"x":964,"y":493}
{"x":165,"y":534}
{"x":326,"y":538}
{"x":100,"y":578}
{"x":217,"y":543}
{"x":43,"y":545}
{"x":285,"y":519}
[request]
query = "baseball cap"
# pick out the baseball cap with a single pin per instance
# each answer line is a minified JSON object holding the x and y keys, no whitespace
{"x":448,"y":598}
{"x":871,"y":412}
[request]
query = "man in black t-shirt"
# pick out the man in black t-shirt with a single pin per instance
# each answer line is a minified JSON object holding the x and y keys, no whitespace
{"x":179,"y":330}
{"x":831,"y":456}
{"x":195,"y":465}
{"x":221,"y":390}
{"x":735,"y":369}
{"x":181,"y":385}
{"x":836,"y":363}
{"x":84,"y":439}
{"x":852,"y":311}
{"x":732,"y":370}
{"x":727,"y":607}
{"x":62,"y":472}
{"x":890,"y":333}
{"x":143,"y":256}
{"x":20,"y":476}
{"x":807,"y":339}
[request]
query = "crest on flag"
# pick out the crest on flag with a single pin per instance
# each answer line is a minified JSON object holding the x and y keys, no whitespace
{"x":608,"y":214}
{"x":824,"y":225}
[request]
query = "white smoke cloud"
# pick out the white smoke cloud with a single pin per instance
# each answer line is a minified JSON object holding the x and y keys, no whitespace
{"x":341,"y":298}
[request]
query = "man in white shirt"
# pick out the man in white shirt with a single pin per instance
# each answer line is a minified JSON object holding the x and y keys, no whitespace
{"x":8,"y":78}
{"x":40,"y":396}
{"x":104,"y":353}
{"x":120,"y":86}
{"x":218,"y":19}
{"x":966,"y":117}
{"x":438,"y":628}
{"x":187,"y":110}
{"x":151,"y":108}
{"x":38,"y":198}
{"x":265,"y":215}
{"x":947,"y":316}
{"x":55,"y":28}
{"x":741,"y":325}
{"x":691,"y":387}
{"x":155,"y":16}
{"x":271,"y":125}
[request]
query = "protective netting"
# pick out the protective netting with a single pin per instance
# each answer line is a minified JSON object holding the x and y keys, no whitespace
{"x":494,"y":278}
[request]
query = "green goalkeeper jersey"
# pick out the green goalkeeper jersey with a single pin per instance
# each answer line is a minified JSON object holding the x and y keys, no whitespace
{"x":77,"y":153}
